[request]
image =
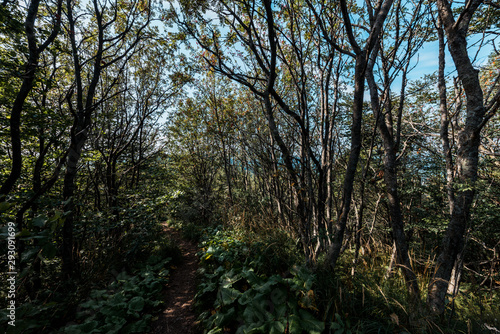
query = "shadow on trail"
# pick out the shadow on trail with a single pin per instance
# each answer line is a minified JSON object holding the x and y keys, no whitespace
{"x":178,"y":315}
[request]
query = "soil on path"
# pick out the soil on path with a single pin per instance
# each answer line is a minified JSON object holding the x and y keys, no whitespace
{"x":178,"y":316}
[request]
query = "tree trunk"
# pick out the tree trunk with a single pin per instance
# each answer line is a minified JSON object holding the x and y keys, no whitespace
{"x":391,"y":183}
{"x":79,"y":134}
{"x":26,"y":86}
{"x":390,"y":178}
{"x":361,"y":61}
{"x":467,"y":151}
{"x":69,"y":187}
{"x":357,"y":114}
{"x":15,"y":132}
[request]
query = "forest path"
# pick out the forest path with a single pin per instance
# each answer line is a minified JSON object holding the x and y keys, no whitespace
{"x":178,"y":316}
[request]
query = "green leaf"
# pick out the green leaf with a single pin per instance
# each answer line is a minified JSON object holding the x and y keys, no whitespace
{"x":164,"y":273}
{"x":228,"y":295}
{"x":246,"y":297}
{"x":230,"y":278}
{"x":116,"y":321}
{"x":136,"y":304}
{"x":122,"y":276}
{"x":118,"y":298}
{"x":266,"y":287}
{"x":280,"y":310}
{"x":209,"y":287}
{"x":91,"y":304}
{"x":97,"y":293}
{"x":258,"y":330}
{"x":252,"y":315}
{"x":250,"y":276}
{"x":279,"y":295}
{"x":223,"y":318}
{"x":39,"y":221}
{"x":277,"y":327}
{"x":4,"y":206}
{"x":309,"y":323}
{"x":336,"y":325}
{"x":86,"y":327}
{"x":117,"y":310}
{"x":27,"y":255}
{"x":294,"y":325}
{"x":114,"y":324}
{"x":140,"y":326}
{"x":216,"y":330}
{"x":24,"y":233}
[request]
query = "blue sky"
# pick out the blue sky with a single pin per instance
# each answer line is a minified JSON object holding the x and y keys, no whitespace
{"x":428,"y":57}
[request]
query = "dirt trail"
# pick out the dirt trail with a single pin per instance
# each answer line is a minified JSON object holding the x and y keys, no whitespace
{"x":178,"y":316}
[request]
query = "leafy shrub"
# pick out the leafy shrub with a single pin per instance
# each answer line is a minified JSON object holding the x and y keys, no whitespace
{"x":139,"y":250}
{"x":236,"y":295}
{"x":274,"y":252}
{"x":125,"y":305}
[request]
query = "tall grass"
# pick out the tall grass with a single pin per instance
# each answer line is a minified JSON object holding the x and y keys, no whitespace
{"x":367,"y":301}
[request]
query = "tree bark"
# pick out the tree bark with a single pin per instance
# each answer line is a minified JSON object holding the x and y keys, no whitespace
{"x":357,"y":116}
{"x":391,"y":183}
{"x":85,"y":103}
{"x":79,"y":134}
{"x":361,"y":61}
{"x":467,"y":150}
{"x":26,"y":86}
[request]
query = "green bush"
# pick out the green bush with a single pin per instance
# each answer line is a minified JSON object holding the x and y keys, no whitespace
{"x":125,"y":305}
{"x":236,"y":294}
{"x":133,"y":245}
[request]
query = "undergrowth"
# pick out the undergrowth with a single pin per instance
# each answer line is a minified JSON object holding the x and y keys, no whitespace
{"x":123,"y":266}
{"x":242,"y":289}
{"x":126,"y":304}
{"x":253,"y":283}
